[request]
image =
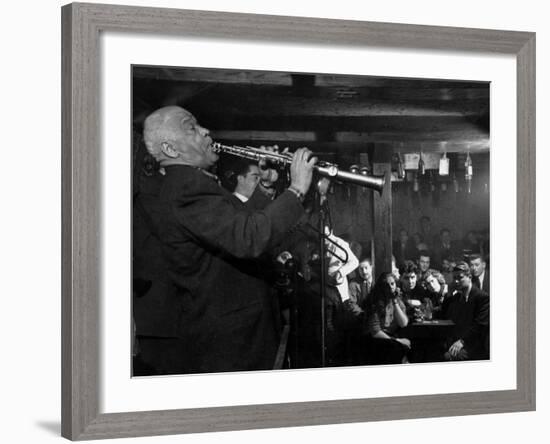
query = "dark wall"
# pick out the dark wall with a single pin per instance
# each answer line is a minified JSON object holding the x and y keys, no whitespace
{"x":460,"y":212}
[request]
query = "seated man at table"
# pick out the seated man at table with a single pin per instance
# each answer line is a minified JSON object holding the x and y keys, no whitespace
{"x":468,"y":308}
{"x":361,"y":286}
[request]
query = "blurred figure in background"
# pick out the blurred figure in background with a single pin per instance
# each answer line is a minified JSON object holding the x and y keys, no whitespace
{"x":403,"y":248}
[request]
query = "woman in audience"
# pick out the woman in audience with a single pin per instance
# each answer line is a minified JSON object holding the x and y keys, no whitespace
{"x":386,"y":316}
{"x":436,"y":291}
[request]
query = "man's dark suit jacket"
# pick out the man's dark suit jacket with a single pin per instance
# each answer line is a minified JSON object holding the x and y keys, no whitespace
{"x":471,"y":320}
{"x":486,"y":284}
{"x":227,"y":318}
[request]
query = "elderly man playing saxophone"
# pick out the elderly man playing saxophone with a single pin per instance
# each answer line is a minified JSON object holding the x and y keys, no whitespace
{"x":228,"y":319}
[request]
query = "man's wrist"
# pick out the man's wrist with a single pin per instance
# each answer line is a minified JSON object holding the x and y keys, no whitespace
{"x":297,"y":193}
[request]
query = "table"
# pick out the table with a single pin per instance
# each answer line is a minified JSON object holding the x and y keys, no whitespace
{"x":427,"y":339}
{"x":436,"y":328}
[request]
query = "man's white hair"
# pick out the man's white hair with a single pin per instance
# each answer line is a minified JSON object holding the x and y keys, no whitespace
{"x":160,"y":127}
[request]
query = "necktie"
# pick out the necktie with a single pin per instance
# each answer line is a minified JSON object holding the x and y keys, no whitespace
{"x":363,"y":290}
{"x":476,"y":282}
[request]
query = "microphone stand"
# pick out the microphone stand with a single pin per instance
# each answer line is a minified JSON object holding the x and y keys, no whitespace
{"x":323,"y":216}
{"x":295,"y":327}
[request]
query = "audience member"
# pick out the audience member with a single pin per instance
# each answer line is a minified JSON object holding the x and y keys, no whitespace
{"x":426,"y":231}
{"x":484,"y":240}
{"x":424,"y":261}
{"x":447,"y":266}
{"x":403,"y":248}
{"x":470,"y":245}
{"x":386,"y":316}
{"x":419,"y":244}
{"x":361,"y":286}
{"x":444,"y":248}
{"x":480,"y":273}
{"x":412,"y":291}
{"x":436,"y":292}
{"x":243,"y":178}
{"x":409,"y":281}
{"x":468,"y":308}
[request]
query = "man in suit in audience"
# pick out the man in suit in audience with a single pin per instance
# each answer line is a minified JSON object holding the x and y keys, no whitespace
{"x":246,"y":177}
{"x":480,"y":272}
{"x":361,"y":286}
{"x":468,"y":308}
{"x":250,"y":182}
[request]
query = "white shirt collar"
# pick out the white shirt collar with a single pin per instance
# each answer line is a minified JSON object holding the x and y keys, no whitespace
{"x":240,"y":196}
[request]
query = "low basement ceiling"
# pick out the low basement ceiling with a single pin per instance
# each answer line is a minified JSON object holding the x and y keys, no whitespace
{"x":329,"y":113}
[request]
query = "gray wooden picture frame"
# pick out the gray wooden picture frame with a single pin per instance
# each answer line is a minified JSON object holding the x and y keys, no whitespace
{"x":81,"y":172}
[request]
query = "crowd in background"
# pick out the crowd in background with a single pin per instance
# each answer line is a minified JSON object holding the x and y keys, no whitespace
{"x":433,"y":280}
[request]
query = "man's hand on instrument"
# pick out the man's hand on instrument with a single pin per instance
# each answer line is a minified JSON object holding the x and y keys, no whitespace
{"x":301,"y":170}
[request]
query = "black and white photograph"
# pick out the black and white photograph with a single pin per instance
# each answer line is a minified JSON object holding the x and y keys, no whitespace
{"x":275,"y":222}
{"x":291,"y":220}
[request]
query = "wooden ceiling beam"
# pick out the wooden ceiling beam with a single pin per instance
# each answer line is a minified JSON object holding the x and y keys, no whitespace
{"x":193,"y":74}
{"x":298,"y":106}
{"x":353,"y":137}
{"x":405,"y":146}
{"x":337,"y":123}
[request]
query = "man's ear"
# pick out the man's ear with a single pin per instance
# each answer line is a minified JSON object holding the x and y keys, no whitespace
{"x":168,"y":150}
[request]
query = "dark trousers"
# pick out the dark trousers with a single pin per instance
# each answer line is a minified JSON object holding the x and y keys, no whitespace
{"x":384,"y":351}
